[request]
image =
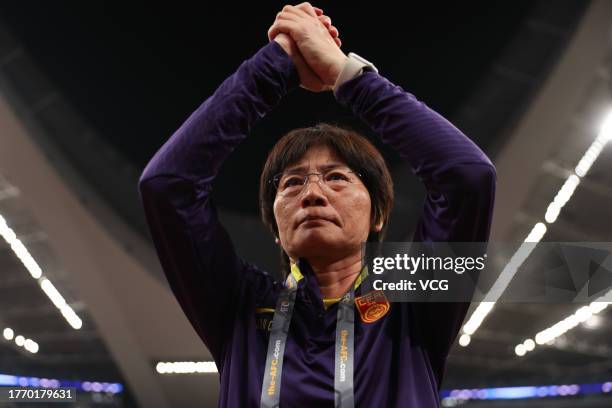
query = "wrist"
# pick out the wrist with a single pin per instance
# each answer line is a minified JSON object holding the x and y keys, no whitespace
{"x":285,"y":42}
{"x":335,"y":69}
{"x":354,"y":66}
{"x":282,"y":62}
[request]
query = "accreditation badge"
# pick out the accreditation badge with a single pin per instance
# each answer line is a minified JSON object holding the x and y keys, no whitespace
{"x":372,"y":306}
{"x":263,"y":319}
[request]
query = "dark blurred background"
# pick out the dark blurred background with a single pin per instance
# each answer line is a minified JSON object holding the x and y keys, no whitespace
{"x":135,"y":72}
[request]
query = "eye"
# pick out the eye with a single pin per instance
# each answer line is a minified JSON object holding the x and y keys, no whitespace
{"x":336,"y":176}
{"x":292,"y":181}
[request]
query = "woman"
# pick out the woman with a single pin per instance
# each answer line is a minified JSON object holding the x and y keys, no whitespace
{"x":324,"y":191}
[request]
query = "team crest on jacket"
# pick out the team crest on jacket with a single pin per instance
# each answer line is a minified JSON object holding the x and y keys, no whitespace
{"x":372,"y":306}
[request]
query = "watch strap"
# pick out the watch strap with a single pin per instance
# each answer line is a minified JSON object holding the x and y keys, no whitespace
{"x":354,"y":66}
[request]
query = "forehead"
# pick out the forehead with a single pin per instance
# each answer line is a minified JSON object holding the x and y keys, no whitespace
{"x":317,"y":157}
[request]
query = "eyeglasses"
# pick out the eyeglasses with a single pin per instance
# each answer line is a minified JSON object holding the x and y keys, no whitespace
{"x":290,"y":183}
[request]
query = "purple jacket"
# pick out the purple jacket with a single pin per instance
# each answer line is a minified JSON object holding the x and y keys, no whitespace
{"x":400,"y":358}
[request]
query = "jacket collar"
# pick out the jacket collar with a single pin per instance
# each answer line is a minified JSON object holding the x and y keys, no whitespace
{"x":303,"y":274}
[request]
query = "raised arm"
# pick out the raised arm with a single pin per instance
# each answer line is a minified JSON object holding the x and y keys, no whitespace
{"x":195,"y":251}
{"x":458,"y":176}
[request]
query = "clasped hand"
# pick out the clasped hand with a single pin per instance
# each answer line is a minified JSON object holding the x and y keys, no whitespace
{"x":309,"y":38}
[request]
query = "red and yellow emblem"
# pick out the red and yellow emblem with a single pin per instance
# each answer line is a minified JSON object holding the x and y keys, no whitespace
{"x":372,"y":306}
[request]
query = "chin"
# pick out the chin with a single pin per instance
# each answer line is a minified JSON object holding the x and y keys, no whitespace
{"x":316,"y":243}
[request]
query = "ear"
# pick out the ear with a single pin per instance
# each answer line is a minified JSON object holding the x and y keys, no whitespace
{"x":378,"y":226}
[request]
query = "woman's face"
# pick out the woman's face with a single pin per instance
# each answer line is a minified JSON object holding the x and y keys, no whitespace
{"x":322,"y":219}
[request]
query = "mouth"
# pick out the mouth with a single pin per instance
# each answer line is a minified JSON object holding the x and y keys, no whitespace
{"x":316,"y":219}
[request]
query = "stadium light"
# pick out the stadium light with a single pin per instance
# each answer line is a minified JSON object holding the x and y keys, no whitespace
{"x":581,"y":315}
{"x":20,"y":250}
{"x":539,"y":229}
{"x":186,"y":367}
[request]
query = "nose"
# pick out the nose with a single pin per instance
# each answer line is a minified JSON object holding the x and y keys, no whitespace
{"x":313,"y":194}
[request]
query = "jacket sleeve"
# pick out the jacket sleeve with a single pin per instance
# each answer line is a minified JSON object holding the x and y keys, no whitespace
{"x":195,"y":251}
{"x":458,"y":177}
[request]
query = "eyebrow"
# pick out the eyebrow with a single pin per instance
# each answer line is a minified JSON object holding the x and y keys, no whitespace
{"x":302,"y":169}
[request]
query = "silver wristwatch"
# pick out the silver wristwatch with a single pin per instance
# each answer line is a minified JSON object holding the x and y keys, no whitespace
{"x":354,"y":66}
